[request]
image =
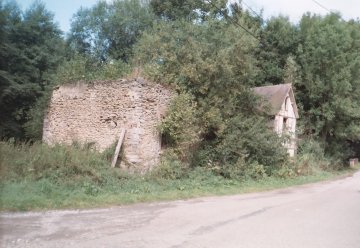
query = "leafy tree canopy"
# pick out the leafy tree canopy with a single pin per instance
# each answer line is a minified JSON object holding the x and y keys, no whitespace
{"x":109,"y":30}
{"x":188,"y":10}
{"x":30,"y":48}
{"x":329,"y":89}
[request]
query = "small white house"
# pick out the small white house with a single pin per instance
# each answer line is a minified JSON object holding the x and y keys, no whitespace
{"x":283,"y":108}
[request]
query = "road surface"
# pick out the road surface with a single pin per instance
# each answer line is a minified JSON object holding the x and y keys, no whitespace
{"x":317,"y":215}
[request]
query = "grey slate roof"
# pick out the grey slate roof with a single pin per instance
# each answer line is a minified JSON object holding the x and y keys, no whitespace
{"x":275,"y":95}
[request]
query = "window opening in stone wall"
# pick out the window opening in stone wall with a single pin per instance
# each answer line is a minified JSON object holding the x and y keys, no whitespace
{"x":271,"y":122}
{"x":285,"y":124}
{"x":287,"y":103}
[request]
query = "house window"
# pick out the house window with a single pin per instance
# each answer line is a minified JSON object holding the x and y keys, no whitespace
{"x":271,"y":122}
{"x":285,"y":124}
{"x":287,"y":102}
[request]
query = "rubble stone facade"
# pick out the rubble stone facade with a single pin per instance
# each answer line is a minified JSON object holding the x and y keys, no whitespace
{"x":98,"y":111}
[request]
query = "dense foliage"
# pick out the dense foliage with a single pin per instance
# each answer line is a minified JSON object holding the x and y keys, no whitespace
{"x":214,"y":64}
{"x":109,"y":30}
{"x":212,"y":54}
{"x":329,"y":58}
{"x":31,"y":48}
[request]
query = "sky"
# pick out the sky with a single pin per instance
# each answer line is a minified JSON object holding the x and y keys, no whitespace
{"x":294,"y":9}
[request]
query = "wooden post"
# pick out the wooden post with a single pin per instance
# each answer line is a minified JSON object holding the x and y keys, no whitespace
{"x":118,"y":147}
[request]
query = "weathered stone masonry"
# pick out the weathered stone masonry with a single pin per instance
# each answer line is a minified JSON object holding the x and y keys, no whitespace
{"x":96,"y":113}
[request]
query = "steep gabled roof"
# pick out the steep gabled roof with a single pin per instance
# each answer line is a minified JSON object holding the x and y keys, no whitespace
{"x":275,"y":95}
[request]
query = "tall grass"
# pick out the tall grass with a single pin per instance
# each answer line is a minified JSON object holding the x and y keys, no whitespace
{"x":25,"y":161}
{"x":37,"y":176}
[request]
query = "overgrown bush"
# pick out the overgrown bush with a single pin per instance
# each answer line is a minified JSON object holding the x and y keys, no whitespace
{"x":242,"y":170}
{"x":311,"y":158}
{"x":179,"y":128}
{"x":170,"y":167}
{"x":241,"y":146}
{"x":82,"y":68}
{"x":249,"y":144}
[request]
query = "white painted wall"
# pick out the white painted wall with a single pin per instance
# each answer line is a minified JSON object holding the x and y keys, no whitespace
{"x":289,"y":127}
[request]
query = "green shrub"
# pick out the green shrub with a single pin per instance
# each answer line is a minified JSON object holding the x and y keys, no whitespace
{"x":81,"y":68}
{"x":180,"y":129}
{"x":170,"y":167}
{"x":250,"y":139}
{"x":311,"y":158}
{"x":286,"y":171}
{"x":243,"y":170}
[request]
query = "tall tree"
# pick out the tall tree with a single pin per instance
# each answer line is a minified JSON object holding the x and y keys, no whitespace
{"x":329,"y":58}
{"x":31,"y":48}
{"x":188,"y":10}
{"x":109,"y":30}
{"x":279,"y":40}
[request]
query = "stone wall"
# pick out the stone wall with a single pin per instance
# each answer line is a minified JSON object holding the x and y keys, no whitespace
{"x":96,"y":113}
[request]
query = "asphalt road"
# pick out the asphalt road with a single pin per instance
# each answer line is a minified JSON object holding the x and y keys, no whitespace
{"x":318,"y":215}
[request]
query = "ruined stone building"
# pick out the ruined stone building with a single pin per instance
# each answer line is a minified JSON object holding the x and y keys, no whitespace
{"x":283,"y":111}
{"x":97,"y":112}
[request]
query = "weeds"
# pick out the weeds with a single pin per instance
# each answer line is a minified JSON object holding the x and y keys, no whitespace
{"x":36,"y":176}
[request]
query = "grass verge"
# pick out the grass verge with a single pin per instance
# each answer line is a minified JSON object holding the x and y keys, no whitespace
{"x":39,"y":177}
{"x":44,"y":194}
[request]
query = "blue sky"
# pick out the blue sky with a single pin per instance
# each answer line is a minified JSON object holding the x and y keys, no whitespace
{"x":64,"y":9}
